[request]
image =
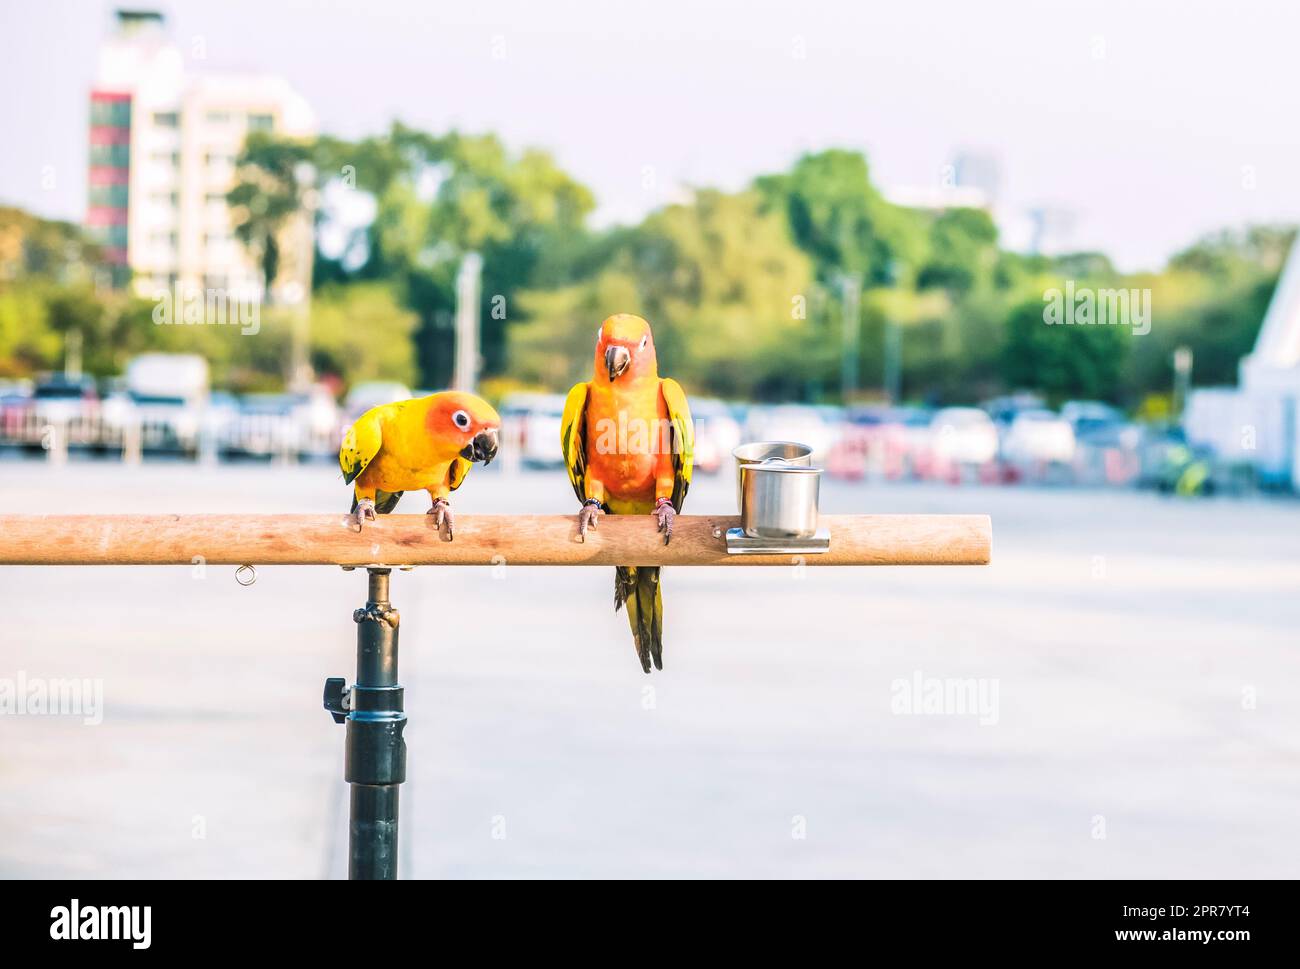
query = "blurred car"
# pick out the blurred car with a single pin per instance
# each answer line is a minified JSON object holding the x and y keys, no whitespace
{"x":316,"y":415}
{"x":372,"y":393}
{"x":1004,"y":410}
{"x":220,"y":413}
{"x":162,"y":395}
{"x":1038,"y":437}
{"x":857,"y":446}
{"x":717,"y":434}
{"x":59,"y":399}
{"x":793,"y":422}
{"x":532,"y":428}
{"x":1088,"y":417}
{"x":904,"y":438}
{"x":961,"y":436}
{"x":15,"y":397}
{"x":264,"y":427}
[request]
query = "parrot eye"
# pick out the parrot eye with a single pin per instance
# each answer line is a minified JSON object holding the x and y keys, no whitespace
{"x":644,"y":341}
{"x":460,"y":419}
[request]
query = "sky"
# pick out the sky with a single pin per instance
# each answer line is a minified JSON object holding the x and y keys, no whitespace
{"x":1150,"y":123}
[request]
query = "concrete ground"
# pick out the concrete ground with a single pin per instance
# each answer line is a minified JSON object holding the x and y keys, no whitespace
{"x":1137,"y":657}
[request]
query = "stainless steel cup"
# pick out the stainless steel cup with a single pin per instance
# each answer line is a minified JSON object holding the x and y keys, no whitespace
{"x":799,"y":454}
{"x":778,"y":499}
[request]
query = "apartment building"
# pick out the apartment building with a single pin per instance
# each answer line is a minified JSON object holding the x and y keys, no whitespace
{"x":163,"y":145}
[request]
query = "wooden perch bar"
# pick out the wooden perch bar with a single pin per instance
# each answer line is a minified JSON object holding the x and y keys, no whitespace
{"x":399,"y":540}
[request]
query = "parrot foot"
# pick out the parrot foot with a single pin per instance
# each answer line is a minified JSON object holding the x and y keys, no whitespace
{"x":665,"y":515}
{"x":365,"y":512}
{"x":441,"y":512}
{"x":588,"y":518}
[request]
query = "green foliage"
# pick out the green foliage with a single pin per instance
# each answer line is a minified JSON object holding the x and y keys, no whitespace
{"x":272,"y":175}
{"x":743,"y":289}
{"x":838,"y":218}
{"x":719,"y":278}
{"x":362,"y":333}
{"x":963,"y":251}
{"x":1062,"y":361}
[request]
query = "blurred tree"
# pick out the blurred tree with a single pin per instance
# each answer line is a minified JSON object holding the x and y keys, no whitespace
{"x":1234,"y":256}
{"x":838,"y":218}
{"x":441,"y":197}
{"x":360,"y":332}
{"x":272,"y":176}
{"x":1061,"y":361}
{"x":962,"y":252}
{"x":720,"y":281}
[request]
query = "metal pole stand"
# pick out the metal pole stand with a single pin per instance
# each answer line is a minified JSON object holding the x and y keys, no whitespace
{"x":375,"y":759}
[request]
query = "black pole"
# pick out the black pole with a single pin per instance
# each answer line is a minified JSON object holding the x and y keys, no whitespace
{"x":375,"y":759}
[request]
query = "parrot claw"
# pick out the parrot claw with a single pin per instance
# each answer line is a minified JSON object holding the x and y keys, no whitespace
{"x":587,"y":518}
{"x":365,"y":512}
{"x":665,"y":515}
{"x":441,"y":512}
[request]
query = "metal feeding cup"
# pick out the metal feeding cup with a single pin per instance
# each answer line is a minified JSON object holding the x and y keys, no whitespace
{"x":760,"y":451}
{"x":778,"y":492}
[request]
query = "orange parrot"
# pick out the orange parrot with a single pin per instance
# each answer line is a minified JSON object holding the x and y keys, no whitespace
{"x":628,"y":443}
{"x":427,"y":444}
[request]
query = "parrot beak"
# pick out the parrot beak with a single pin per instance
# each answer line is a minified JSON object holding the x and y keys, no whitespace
{"x":483,"y":447}
{"x":616,"y":360}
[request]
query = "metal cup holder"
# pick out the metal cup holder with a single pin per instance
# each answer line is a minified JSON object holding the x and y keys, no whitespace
{"x":778,"y":491}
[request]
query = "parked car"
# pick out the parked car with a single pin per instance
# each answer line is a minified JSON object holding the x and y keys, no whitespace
{"x":1038,"y":438}
{"x":792,"y":422}
{"x":15,"y":403}
{"x":1003,"y":410}
{"x":372,"y":393}
{"x":317,"y":417}
{"x":264,"y":427}
{"x":164,"y":396}
{"x":532,"y":428}
{"x":961,"y":437}
{"x":1088,"y":416}
{"x":717,"y":434}
{"x":59,"y":399}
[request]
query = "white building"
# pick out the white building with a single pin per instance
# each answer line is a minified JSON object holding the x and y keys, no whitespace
{"x":163,"y":142}
{"x":1259,"y":422}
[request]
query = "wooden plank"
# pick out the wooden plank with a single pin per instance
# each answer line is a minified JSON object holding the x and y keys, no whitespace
{"x":480,"y":540}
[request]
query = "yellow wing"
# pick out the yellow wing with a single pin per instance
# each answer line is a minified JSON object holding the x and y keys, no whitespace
{"x":679,"y":416}
{"x":361,"y":443}
{"x":573,"y":438}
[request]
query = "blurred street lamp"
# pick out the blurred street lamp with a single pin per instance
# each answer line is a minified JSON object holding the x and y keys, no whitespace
{"x":893,"y":344}
{"x":1182,"y":378}
{"x":850,"y":297}
{"x":465,"y":374}
{"x":297,"y":292}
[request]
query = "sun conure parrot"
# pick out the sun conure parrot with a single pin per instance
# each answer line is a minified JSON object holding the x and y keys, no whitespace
{"x":426,"y":444}
{"x":628,"y":443}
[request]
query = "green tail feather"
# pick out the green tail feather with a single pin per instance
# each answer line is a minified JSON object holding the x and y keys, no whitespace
{"x":639,"y":589}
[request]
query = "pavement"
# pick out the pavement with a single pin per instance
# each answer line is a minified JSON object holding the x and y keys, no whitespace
{"x":1129,"y":662}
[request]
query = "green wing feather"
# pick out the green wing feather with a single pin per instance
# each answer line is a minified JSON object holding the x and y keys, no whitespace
{"x":679,"y":417}
{"x":573,"y":438}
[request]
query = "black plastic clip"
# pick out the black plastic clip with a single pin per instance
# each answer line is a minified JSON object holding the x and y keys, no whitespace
{"x":335,"y":698}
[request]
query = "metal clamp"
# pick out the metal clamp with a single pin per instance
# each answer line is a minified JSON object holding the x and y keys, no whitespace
{"x":338,"y":698}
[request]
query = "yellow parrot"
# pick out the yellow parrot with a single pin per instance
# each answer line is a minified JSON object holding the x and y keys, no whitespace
{"x":628,"y":443}
{"x":426,"y":444}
